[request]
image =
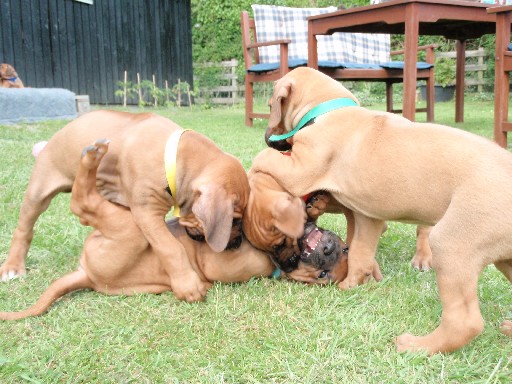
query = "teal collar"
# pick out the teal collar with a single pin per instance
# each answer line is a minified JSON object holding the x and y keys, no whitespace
{"x":276,"y":274}
{"x":320,"y":109}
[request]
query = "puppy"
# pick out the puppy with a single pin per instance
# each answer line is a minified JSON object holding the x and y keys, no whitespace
{"x":285,"y":227}
{"x":385,"y":167}
{"x":152,"y":165}
{"x":117,"y":258}
{"x":9,"y":77}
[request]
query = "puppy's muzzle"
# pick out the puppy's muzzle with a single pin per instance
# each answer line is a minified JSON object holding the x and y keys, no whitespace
{"x":280,"y":145}
{"x":318,"y":247}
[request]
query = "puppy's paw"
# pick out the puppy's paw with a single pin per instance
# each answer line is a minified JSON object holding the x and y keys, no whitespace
{"x":506,"y":327}
{"x":189,"y":287}
{"x":9,"y":272}
{"x":422,"y":261}
{"x":92,"y":154}
{"x":316,"y":204}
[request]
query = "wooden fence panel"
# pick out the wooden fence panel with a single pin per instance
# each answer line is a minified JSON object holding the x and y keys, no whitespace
{"x":87,"y":47}
{"x":475,"y":66}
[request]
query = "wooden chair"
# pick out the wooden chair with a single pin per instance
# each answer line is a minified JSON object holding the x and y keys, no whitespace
{"x":266,"y":72}
{"x":503,"y":67}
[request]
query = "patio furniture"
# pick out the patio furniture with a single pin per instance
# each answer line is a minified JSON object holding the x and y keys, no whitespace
{"x":453,"y":19}
{"x":276,"y":41}
{"x":503,"y":67}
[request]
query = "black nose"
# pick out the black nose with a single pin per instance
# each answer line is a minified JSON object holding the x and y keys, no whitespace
{"x":329,"y":247}
{"x":281,"y":145}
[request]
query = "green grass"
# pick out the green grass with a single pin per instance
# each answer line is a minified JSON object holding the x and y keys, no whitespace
{"x":264,"y":331}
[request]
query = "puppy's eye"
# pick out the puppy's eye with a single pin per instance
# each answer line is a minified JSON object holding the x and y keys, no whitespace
{"x":323,"y":274}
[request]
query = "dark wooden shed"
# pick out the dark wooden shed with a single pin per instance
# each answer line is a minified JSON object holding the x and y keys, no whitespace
{"x":86,"y":45}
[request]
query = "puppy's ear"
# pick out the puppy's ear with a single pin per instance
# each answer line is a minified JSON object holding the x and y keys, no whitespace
{"x":289,"y":215}
{"x":214,"y":210}
{"x":282,"y":90}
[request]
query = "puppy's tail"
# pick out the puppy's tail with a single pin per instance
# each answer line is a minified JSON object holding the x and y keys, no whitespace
{"x":71,"y":282}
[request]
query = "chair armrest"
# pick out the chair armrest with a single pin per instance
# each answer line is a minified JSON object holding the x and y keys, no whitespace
{"x":267,"y":43}
{"x":429,"y":49}
{"x":420,"y":48}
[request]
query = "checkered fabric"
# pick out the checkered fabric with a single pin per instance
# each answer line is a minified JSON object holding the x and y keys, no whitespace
{"x":275,"y":22}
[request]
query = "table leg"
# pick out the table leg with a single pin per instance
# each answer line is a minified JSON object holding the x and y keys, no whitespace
{"x":411,"y":58}
{"x":312,"y":49}
{"x":501,"y":78}
{"x":460,"y":49}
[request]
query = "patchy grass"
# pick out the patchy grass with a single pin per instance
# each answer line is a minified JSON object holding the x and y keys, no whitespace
{"x":264,"y":331}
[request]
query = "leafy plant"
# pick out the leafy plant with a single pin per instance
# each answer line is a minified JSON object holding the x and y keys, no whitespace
{"x":444,"y":72}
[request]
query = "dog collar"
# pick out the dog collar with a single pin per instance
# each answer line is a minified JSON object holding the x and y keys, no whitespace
{"x":276,"y":274}
{"x":13,"y":79}
{"x":320,"y":109}
{"x":171,"y":148}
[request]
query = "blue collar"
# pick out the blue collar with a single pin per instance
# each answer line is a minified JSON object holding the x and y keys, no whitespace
{"x":13,"y":79}
{"x":320,"y":109}
{"x":276,"y":274}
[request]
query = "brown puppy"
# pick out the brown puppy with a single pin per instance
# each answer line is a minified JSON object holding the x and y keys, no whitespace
{"x":385,"y":167}
{"x":117,"y":258}
{"x":9,"y":77}
{"x":283,"y":226}
{"x":211,"y":187}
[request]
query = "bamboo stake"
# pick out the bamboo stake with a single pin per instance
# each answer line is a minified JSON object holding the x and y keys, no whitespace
{"x":140,"y":91}
{"x":167,"y":91}
{"x":179,"y":93}
{"x":154,"y":91}
{"x":125,"y":81}
{"x":189,"y":98}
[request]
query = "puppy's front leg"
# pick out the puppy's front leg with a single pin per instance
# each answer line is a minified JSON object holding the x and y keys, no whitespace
{"x":361,"y":255}
{"x":292,"y":172}
{"x":184,"y":281}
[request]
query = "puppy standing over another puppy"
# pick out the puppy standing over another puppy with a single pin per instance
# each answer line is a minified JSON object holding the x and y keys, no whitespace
{"x":117,"y":259}
{"x":9,"y":77}
{"x":380,"y":166}
{"x":147,"y":152}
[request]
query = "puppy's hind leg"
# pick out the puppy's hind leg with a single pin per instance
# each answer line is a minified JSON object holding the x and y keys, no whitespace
{"x":506,"y":268}
{"x":46,"y":181}
{"x":85,"y":199}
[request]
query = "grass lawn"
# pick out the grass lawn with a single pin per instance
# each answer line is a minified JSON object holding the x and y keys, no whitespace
{"x":264,"y":331}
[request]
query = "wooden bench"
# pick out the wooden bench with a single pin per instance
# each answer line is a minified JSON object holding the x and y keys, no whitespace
{"x":275,"y":41}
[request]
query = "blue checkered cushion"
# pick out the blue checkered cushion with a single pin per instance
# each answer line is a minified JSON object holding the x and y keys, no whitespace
{"x":275,"y":22}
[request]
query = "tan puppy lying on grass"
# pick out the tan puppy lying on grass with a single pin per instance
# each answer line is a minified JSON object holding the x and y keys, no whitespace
{"x":385,"y":167}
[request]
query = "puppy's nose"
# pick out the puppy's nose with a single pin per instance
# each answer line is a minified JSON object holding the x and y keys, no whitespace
{"x":329,"y":247}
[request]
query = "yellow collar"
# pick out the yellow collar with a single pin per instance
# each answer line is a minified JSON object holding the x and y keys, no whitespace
{"x":171,"y":149}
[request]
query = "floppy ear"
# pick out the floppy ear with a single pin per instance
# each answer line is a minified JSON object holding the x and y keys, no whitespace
{"x":289,"y":215}
{"x":214,"y":210}
{"x":281,"y":92}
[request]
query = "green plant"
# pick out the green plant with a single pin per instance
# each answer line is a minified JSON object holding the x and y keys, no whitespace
{"x":444,"y":72}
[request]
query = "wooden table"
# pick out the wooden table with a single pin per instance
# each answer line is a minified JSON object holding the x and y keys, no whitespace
{"x":454,"y":19}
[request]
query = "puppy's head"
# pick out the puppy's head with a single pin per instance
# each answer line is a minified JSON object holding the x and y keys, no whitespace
{"x":295,"y":94}
{"x":275,"y":222}
{"x":321,"y":257}
{"x":7,"y":71}
{"x":218,"y":202}
{"x":272,"y":216}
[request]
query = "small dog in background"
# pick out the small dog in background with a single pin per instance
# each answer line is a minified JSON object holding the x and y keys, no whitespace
{"x":9,"y":77}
